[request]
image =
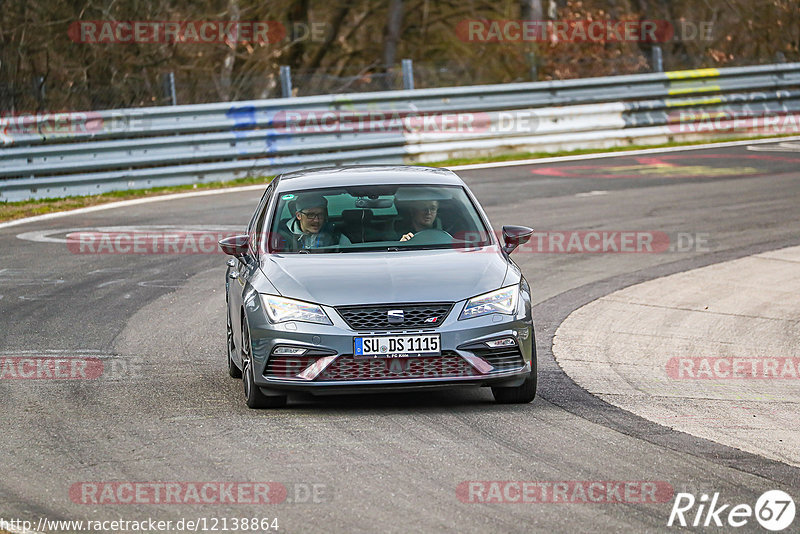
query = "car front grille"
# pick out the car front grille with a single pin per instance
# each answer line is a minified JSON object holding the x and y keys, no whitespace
{"x":347,"y":367}
{"x":502,"y":359}
{"x":428,"y":315}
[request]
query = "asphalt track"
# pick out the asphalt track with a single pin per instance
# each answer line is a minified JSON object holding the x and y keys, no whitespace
{"x":165,"y":410}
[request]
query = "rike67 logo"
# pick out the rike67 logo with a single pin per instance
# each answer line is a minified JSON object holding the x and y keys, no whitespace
{"x":774,"y":511}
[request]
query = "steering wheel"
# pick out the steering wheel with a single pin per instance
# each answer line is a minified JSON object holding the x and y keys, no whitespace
{"x":431,"y":237}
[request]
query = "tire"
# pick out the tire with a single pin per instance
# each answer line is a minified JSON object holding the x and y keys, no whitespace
{"x":517,"y":395}
{"x":252,"y":394}
{"x":233,"y":370}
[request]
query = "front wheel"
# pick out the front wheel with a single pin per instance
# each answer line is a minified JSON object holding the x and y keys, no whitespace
{"x":252,"y":394}
{"x":517,"y":395}
{"x":233,"y":370}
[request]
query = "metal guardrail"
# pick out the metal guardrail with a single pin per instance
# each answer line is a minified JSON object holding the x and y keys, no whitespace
{"x":95,"y":152}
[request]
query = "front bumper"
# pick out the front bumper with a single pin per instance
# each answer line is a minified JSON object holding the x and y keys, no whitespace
{"x":329,"y":366}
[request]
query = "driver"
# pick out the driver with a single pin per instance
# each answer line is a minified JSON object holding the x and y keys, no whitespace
{"x":422,"y":216}
{"x":310,"y":227}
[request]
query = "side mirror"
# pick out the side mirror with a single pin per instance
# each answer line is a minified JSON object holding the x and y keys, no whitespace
{"x":514,"y":236}
{"x":235,"y":246}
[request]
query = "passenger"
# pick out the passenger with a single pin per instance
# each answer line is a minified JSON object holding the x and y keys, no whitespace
{"x":422,"y":216}
{"x":310,"y":227}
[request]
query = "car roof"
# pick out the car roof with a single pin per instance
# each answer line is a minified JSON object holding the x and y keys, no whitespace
{"x":366,"y":175}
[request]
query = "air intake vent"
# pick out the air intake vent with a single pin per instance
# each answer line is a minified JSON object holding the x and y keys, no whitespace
{"x":502,"y":359}
{"x":346,"y":367}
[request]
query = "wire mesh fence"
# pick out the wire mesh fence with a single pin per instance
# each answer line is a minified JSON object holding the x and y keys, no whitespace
{"x":158,"y":87}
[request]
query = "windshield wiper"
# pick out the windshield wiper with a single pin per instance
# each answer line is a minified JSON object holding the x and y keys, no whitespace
{"x":315,"y":251}
{"x":428,"y":247}
{"x":361,"y":249}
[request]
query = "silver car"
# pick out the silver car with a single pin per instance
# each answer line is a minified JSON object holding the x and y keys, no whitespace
{"x":376,"y":278}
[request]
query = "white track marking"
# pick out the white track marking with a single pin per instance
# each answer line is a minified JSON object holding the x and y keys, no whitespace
{"x":592,"y":194}
{"x":109,"y":270}
{"x":30,"y":281}
{"x":110,"y":282}
{"x":158,"y":283}
{"x":780,"y":147}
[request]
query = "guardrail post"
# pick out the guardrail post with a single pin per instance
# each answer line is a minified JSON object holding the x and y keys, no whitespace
{"x":658,"y":59}
{"x":169,"y":88}
{"x":408,"y":74}
{"x":286,"y":81}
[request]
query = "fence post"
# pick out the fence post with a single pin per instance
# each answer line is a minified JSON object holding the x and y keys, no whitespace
{"x":658,"y":59}
{"x":533,"y":65}
{"x":169,"y":88}
{"x":286,"y":81}
{"x":408,"y":74}
{"x":39,"y":90}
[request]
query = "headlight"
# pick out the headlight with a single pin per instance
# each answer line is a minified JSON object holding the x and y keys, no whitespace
{"x":499,"y":301}
{"x":281,"y":309}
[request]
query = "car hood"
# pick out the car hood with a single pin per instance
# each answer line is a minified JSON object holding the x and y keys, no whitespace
{"x":386,"y":277}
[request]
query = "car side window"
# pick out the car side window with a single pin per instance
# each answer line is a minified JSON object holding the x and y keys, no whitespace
{"x":256,"y":230}
{"x":256,"y":212}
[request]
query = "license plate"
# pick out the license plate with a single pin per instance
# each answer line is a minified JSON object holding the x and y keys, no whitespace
{"x":397,"y":346}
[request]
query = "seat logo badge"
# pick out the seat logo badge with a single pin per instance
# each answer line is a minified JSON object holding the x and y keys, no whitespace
{"x":395,"y":316}
{"x":431,"y":319}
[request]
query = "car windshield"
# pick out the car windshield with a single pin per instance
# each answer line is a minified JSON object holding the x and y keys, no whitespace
{"x":376,"y":218}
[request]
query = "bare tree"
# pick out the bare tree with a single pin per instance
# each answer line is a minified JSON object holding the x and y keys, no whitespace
{"x":394,"y":26}
{"x":234,"y":16}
